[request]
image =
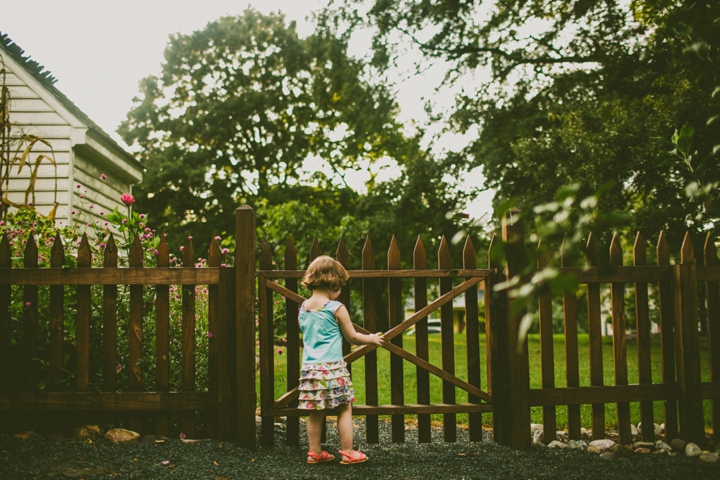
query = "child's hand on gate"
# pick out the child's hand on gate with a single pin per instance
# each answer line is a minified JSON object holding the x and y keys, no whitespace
{"x":375,"y":339}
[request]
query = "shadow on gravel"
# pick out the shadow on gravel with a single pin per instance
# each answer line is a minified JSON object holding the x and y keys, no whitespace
{"x":38,"y":457}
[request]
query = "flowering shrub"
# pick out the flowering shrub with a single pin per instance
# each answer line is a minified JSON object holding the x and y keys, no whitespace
{"x":26,"y":222}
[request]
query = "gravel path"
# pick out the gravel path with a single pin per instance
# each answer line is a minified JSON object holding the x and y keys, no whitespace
{"x":40,"y":457}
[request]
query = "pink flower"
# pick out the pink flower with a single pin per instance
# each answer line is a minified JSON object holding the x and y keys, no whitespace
{"x":218,"y":237}
{"x":165,"y":462}
{"x":102,"y":213}
{"x":225,"y":250}
{"x":182,"y":249}
{"x":127,"y":199}
{"x":118,"y":367}
{"x":92,"y":206}
{"x":182,"y":436}
{"x":142,"y":215}
{"x":30,"y":204}
{"x":72,"y":212}
{"x":210,"y":335}
{"x":103,"y":177}
{"x":155,"y":252}
{"x":78,"y":186}
{"x":279,"y":351}
{"x":102,"y":245}
{"x":190,"y":237}
{"x":27,"y":304}
{"x":124,"y":220}
{"x":223,"y":265}
{"x":175,"y":341}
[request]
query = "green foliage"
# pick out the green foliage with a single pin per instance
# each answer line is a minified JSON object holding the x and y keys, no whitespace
{"x":18,"y":226}
{"x":237,"y":110}
{"x":583,"y":92}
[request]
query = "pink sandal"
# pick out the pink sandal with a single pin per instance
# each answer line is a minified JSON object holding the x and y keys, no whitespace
{"x":323,"y":457}
{"x":356,"y":457}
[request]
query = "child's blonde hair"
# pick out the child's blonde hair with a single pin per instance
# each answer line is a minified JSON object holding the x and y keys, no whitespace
{"x":325,"y":273}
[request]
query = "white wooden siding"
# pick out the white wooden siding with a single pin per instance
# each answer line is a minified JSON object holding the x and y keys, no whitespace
{"x":35,"y":110}
{"x":103,"y":195}
{"x":30,"y":114}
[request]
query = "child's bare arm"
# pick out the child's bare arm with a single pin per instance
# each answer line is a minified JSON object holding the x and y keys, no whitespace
{"x":349,"y":332}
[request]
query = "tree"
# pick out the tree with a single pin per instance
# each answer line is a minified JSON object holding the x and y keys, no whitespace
{"x":238,"y":108}
{"x":585,"y":92}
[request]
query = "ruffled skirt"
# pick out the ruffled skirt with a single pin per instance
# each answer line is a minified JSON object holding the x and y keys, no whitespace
{"x":325,"y":385}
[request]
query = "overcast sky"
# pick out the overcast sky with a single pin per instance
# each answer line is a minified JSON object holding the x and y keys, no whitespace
{"x":99,"y":49}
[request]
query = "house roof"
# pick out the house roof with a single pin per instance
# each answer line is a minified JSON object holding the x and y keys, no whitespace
{"x":47,"y":80}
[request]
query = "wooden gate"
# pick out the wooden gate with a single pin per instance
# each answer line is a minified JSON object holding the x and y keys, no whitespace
{"x":479,"y":400}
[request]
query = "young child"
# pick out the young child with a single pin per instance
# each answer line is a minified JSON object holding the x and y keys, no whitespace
{"x":325,"y":380}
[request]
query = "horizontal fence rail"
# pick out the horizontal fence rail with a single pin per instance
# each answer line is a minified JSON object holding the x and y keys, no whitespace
{"x":111,"y":276}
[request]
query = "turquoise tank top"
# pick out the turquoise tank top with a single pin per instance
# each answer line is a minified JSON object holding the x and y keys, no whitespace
{"x":322,"y":338}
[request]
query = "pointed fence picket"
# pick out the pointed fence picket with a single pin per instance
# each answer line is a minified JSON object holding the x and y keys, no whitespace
{"x":370,"y":299}
{"x":421,"y":341}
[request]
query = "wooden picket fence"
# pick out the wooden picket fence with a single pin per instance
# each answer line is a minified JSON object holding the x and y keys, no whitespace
{"x":230,"y":393}
{"x":230,"y":397}
{"x":681,"y":389}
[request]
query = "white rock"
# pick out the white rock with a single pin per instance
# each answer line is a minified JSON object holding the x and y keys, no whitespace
{"x":576,"y":445}
{"x":534,"y":427}
{"x":662,"y":446}
{"x":692,"y":450}
{"x":583,"y":432}
{"x":556,"y":444}
{"x":602,"y":444}
{"x":121,"y":435}
{"x":539,"y":436}
{"x":710,"y":457}
{"x":660,"y":429}
{"x":649,"y":445}
{"x":633,"y":430}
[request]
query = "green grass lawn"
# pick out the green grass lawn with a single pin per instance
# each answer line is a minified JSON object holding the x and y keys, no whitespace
{"x":410,"y":388}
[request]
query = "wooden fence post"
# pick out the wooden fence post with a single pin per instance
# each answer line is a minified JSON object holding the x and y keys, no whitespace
{"x":495,"y":341}
{"x":245,"y":321}
{"x":5,"y":333}
{"x":226,"y":338}
{"x":686,"y":330}
{"x":713,"y":324}
{"x":518,"y":409}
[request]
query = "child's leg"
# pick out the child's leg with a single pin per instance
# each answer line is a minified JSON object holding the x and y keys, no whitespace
{"x":345,"y":427}
{"x":314,"y":430}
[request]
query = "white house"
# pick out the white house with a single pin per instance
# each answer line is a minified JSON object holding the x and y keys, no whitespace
{"x":82,"y":150}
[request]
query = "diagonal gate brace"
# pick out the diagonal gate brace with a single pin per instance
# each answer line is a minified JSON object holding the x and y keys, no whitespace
{"x":284,"y":400}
